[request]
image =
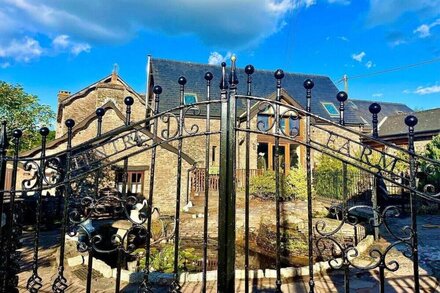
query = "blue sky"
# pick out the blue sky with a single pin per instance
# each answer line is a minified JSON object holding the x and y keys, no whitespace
{"x":51,"y":45}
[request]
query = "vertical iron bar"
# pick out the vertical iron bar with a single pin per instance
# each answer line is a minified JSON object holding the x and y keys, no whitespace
{"x":128,"y":101}
{"x":176,"y":286}
{"x":308,"y":85}
{"x":145,"y":286}
{"x":342,"y":97}
{"x":34,"y":282}
{"x":226,"y":223}
{"x":411,"y":121}
{"x":374,"y":110}
{"x":382,"y":275}
{"x":3,"y":148}
{"x":99,"y":113}
{"x":208,"y":78}
{"x":60,"y":283}
{"x":10,"y":281}
{"x":279,"y":74}
{"x":249,"y":71}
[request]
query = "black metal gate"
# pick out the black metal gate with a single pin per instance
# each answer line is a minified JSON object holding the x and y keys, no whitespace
{"x":75,"y":176}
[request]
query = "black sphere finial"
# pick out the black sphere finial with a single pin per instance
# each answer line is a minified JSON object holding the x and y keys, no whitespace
{"x":128,"y":101}
{"x":17,"y":133}
{"x":279,"y":74}
{"x":209,"y":76}
{"x":223,"y":64}
{"x":374,"y":108}
{"x":342,"y":96}
{"x":182,"y":80}
{"x":308,"y":84}
{"x":100,"y":112}
{"x":411,"y":121}
{"x":249,"y":69}
{"x":157,"y":89}
{"x":70,"y":123}
{"x":44,"y":131}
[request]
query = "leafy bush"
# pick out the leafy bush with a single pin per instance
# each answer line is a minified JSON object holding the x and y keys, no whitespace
{"x":433,"y":172}
{"x":327,"y":178}
{"x":162,"y":259}
{"x":264,"y":186}
{"x":297,"y":181}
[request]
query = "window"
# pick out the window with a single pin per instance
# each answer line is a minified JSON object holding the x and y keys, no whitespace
{"x":283,"y":123}
{"x":190,"y":99}
{"x":263,"y":122}
{"x":213,"y":153}
{"x":331,"y":109}
{"x":294,"y":125}
{"x":134,"y":181}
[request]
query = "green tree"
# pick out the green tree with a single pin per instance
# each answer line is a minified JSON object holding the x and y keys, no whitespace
{"x":433,"y":152}
{"x":23,"y":110}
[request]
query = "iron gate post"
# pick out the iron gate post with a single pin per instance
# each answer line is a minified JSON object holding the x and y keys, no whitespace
{"x":226,"y":214}
{"x":374,"y":110}
{"x":3,"y":148}
{"x":411,"y":121}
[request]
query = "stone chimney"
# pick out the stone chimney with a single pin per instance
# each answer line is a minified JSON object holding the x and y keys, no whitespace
{"x":62,"y":95}
{"x":115,"y":73}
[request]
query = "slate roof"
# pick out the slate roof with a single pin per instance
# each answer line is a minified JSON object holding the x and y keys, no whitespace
{"x":166,"y":73}
{"x":429,"y":122}
{"x":387,"y":109}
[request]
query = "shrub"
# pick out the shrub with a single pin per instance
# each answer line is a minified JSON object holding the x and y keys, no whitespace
{"x":264,"y":186}
{"x":162,"y":259}
{"x":297,"y":182}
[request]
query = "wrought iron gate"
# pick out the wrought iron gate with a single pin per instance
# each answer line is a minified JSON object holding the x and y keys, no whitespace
{"x":75,"y":175}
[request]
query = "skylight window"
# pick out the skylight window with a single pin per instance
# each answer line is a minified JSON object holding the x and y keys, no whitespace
{"x":190,"y":99}
{"x":331,"y":109}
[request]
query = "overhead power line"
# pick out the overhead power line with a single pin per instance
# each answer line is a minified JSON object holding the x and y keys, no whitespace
{"x":393,"y":69}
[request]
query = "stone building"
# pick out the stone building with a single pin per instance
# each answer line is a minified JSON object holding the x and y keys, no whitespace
{"x":109,"y":93}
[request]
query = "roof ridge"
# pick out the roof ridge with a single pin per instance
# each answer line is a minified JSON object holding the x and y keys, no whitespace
{"x":383,"y":102}
{"x":241,"y":69}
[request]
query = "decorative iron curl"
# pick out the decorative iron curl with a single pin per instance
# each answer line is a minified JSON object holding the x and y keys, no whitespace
{"x":60,"y":283}
{"x":167,"y":118}
{"x":194,"y":128}
{"x":263,"y":106}
{"x":34,"y":283}
{"x":293,"y":131}
{"x":41,"y":173}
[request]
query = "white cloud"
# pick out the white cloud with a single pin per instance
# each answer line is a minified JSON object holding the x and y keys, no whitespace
{"x":215,"y":58}
{"x":5,"y":65}
{"x":245,"y":23}
{"x":358,"y":57}
{"x":310,"y":3}
{"x":377,"y":95}
{"x":63,"y":42}
{"x":407,"y":91}
{"x":79,"y":48}
{"x":424,"y":30}
{"x":342,"y":38}
{"x":389,"y":11}
{"x":23,"y":50}
{"x":369,"y":64}
{"x":342,"y":2}
{"x":427,"y":90}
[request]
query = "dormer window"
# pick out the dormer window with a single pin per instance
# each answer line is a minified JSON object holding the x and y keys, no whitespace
{"x":331,"y":109}
{"x":190,"y":98}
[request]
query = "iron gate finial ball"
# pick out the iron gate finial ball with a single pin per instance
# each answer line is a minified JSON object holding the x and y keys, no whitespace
{"x":182,"y":80}
{"x":249,"y":69}
{"x":374,"y":108}
{"x":44,"y":131}
{"x":209,"y":76}
{"x":308,"y":84}
{"x":17,"y":133}
{"x":128,"y":101}
{"x":411,"y":121}
{"x":223,"y":64}
{"x":279,"y":74}
{"x":100,"y":112}
{"x":342,"y":96}
{"x":70,"y":123}
{"x":157,"y":89}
